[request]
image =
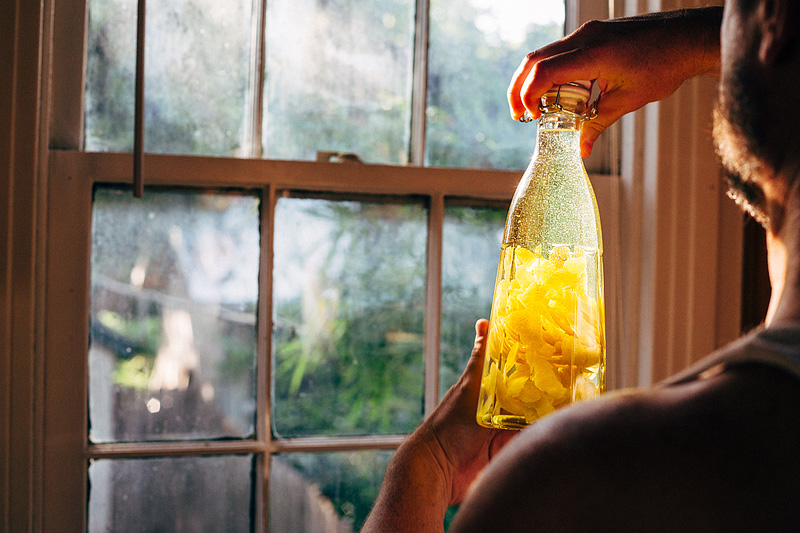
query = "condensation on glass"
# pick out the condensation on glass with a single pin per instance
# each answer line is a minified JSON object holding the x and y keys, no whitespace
{"x":198,"y":494}
{"x":349,"y":301}
{"x":324,"y":491}
{"x":470,"y":248}
{"x":197,"y":75}
{"x":475,"y":47}
{"x":338,"y":78}
{"x":174,"y":287}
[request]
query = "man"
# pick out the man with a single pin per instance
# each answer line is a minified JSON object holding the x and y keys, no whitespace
{"x":714,"y":449}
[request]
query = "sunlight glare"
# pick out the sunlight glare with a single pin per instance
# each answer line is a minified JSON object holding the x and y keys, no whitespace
{"x":510,"y":19}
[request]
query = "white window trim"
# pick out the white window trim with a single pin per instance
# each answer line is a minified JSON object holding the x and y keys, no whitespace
{"x":680,"y":236}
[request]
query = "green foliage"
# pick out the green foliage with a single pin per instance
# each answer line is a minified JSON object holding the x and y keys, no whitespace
{"x":144,"y":331}
{"x":133,"y":373}
{"x":350,"y":480}
{"x":356,"y":346}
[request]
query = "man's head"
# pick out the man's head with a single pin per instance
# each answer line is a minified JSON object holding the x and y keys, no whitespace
{"x":756,"y":119}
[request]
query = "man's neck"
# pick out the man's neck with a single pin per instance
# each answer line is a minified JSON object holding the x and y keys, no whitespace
{"x":783,"y":254}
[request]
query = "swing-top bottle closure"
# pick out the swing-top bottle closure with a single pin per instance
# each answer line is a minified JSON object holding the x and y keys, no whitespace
{"x":569,"y":98}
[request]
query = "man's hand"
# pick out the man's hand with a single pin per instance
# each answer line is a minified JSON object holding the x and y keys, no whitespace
{"x":634,"y":61}
{"x":462,"y":446}
{"x":436,"y":465}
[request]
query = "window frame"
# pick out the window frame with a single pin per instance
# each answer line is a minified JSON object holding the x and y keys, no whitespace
{"x":72,"y":175}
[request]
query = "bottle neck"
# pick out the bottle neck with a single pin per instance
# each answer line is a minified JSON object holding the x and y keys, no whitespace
{"x":560,"y":121}
{"x":559,"y":135}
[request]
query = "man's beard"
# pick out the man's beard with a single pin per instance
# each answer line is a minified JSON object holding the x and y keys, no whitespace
{"x":738,"y":136}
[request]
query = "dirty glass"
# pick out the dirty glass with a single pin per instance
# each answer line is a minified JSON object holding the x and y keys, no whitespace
{"x":349,"y":302}
{"x":197,"y":72}
{"x":338,"y":78}
{"x":324,"y":492}
{"x":198,"y":494}
{"x":174,"y":286}
{"x":470,"y":252}
{"x":475,"y":47}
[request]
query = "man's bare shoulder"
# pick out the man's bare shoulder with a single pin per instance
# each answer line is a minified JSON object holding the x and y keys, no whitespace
{"x":706,"y":455}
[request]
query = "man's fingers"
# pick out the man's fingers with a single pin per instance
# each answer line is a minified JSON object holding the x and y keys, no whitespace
{"x":515,"y":87}
{"x":479,"y":348}
{"x":589,"y":133}
{"x":555,"y":70}
{"x":609,"y":110}
{"x":519,"y":78}
{"x":475,"y":362}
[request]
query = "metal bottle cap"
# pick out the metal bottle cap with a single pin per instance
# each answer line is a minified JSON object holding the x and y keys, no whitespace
{"x":572,"y":97}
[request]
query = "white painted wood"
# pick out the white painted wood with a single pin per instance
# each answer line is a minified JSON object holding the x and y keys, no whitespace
{"x":433,"y":303}
{"x":672,"y":226}
{"x":419,"y":95}
{"x":68,"y":69}
{"x":67,"y":335}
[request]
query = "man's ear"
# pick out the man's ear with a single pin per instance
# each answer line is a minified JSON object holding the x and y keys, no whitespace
{"x":779,"y":28}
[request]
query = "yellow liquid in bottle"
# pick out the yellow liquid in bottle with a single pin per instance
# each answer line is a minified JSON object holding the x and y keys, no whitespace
{"x":546,"y":344}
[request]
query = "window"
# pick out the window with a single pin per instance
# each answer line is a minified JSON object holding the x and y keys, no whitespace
{"x":262,"y":329}
{"x":348,"y":292}
{"x":338,"y":76}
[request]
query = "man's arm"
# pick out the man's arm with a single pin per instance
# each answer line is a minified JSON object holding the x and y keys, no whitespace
{"x":634,"y":61}
{"x":435,"y":467}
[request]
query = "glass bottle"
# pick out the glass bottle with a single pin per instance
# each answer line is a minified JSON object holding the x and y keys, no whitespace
{"x":546,"y":340}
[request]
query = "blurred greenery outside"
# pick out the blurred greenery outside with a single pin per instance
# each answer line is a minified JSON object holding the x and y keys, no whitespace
{"x":348,"y":331}
{"x":357,"y":369}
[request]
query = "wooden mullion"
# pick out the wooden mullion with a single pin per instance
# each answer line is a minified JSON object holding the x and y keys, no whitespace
{"x":119,"y":450}
{"x":433,"y":303}
{"x":419,"y":91}
{"x":336,"y":444}
{"x":349,"y":178}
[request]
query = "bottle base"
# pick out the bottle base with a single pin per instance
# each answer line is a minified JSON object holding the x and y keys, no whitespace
{"x":503,"y":422}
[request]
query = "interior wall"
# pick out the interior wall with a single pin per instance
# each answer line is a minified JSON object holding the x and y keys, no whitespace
{"x":680,"y":238}
{"x":7,"y":16}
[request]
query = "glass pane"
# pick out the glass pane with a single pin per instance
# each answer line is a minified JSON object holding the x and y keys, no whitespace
{"x":349,"y":292}
{"x":197,"y":76}
{"x":324,"y":492}
{"x":338,"y":78}
{"x":470,"y":252}
{"x":475,"y":47}
{"x":171,"y":494}
{"x":173,"y":325}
